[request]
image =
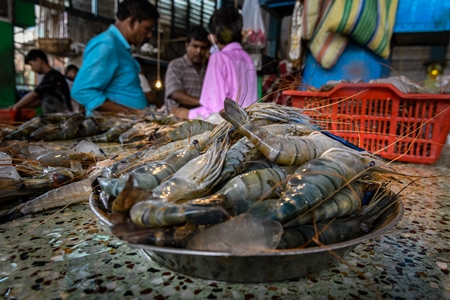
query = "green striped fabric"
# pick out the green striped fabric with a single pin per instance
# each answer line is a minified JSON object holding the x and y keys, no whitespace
{"x":368,"y":22}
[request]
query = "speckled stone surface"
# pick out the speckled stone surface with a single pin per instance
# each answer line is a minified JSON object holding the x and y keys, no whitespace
{"x":68,"y":254}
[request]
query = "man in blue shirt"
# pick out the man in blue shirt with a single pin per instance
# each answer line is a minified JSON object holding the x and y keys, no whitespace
{"x":108,"y":79}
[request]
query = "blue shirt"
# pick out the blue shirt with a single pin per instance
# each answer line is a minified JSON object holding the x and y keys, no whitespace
{"x":108,"y":72}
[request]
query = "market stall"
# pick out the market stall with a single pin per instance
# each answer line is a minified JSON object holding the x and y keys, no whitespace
{"x":68,"y":253}
{"x":340,"y":193}
{"x":159,"y":228}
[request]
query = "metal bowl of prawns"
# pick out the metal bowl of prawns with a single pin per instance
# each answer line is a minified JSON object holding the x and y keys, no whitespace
{"x":266,"y":266}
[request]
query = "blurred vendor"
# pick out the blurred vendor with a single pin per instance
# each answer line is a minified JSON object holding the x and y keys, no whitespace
{"x":52,"y":93}
{"x":70,"y":73}
{"x":185,"y":75}
{"x":108,"y":79}
{"x":145,"y":85}
{"x":230,"y":68}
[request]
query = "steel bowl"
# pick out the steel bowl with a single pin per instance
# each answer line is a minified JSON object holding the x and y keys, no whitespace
{"x":276,"y":265}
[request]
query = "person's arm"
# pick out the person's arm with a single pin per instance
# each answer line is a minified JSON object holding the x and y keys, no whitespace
{"x":185,"y":99}
{"x":96,"y":72}
{"x":114,"y":107}
{"x":175,"y":89}
{"x":30,"y":100}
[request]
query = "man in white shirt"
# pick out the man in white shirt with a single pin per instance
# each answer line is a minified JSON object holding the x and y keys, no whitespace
{"x":151,"y":98}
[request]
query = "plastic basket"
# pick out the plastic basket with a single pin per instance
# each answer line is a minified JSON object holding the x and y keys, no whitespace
{"x":381,"y":119}
{"x":55,"y":46}
{"x":20,"y":115}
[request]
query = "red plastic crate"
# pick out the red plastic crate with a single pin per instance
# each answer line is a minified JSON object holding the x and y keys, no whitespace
{"x":25,"y":114}
{"x":381,"y":119}
{"x":7,"y":114}
{"x":19,"y":115}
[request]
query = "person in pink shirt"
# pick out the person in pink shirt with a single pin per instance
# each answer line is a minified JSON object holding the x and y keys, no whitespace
{"x":230,"y":70}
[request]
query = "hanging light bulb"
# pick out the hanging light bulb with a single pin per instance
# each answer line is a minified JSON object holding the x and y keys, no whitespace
{"x":434,"y":70}
{"x":434,"y":73}
{"x":158,"y":84}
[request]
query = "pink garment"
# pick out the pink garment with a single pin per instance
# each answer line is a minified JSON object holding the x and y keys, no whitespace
{"x":227,"y":71}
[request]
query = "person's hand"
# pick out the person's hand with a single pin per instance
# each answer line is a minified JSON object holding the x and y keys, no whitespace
{"x":180,"y":112}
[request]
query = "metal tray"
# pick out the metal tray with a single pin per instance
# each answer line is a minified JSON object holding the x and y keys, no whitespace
{"x":277,"y":265}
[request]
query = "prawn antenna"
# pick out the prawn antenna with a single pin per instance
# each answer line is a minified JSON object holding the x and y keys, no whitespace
{"x":238,"y":96}
{"x":332,"y":136}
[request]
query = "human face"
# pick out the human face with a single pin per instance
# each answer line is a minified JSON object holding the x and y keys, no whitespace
{"x":71,"y":75}
{"x":196,"y":51}
{"x":140,"y":31}
{"x":36,"y":65}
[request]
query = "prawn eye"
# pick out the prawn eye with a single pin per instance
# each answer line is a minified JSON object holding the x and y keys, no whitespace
{"x":21,"y":186}
{"x":195,"y":142}
{"x":372,"y":163}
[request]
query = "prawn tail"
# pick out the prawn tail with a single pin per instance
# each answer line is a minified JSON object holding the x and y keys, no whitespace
{"x":203,"y":215}
{"x":129,"y":196}
{"x":381,"y":174}
{"x":174,"y":236}
{"x":234,"y":113}
{"x":327,"y":232}
{"x":382,"y":200}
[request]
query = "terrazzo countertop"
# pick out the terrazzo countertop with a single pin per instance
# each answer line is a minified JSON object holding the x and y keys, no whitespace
{"x":68,"y":254}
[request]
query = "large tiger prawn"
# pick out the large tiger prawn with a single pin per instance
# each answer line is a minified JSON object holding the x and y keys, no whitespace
{"x":284,"y":150}
{"x":313,"y":182}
